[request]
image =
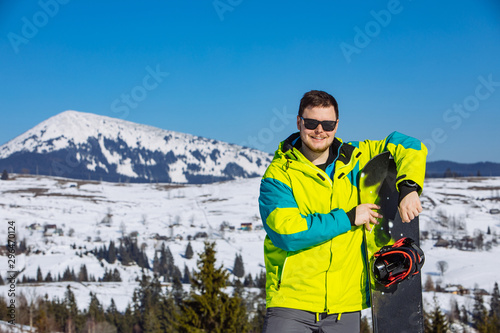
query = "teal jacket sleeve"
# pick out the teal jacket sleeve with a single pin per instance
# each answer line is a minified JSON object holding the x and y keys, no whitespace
{"x":287,"y":228}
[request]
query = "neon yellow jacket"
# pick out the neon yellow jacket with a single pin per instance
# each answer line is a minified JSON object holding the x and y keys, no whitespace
{"x":314,"y":258}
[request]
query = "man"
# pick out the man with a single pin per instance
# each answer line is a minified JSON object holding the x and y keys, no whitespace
{"x":310,"y":209}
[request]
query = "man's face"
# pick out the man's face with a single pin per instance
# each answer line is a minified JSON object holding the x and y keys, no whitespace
{"x":317,"y":140}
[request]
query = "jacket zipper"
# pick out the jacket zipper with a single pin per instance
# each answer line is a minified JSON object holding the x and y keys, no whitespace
{"x":331,"y":196}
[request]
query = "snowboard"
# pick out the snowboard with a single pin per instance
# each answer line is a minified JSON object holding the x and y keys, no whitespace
{"x":397,"y":308}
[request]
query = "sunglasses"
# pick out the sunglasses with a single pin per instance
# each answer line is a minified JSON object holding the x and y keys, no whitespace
{"x":328,"y":125}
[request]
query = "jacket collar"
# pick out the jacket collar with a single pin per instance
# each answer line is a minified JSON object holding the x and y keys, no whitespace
{"x":294,"y":141}
{"x":339,"y":151}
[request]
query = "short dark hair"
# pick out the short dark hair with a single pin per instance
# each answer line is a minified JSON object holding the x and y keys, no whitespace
{"x":318,"y":98}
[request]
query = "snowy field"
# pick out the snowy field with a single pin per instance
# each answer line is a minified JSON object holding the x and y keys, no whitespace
{"x":90,"y":214}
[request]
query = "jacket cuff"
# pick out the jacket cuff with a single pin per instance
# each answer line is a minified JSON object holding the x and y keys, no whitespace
{"x":404,"y":190}
{"x":352,"y":216}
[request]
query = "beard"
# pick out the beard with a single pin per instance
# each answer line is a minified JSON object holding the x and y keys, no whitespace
{"x":317,"y":148}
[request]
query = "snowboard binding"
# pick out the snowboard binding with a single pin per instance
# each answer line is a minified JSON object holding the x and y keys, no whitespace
{"x":398,"y":262}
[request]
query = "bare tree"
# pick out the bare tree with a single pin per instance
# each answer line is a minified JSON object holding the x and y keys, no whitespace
{"x":442,"y":266}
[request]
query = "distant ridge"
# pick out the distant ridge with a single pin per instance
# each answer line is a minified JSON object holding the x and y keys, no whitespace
{"x":440,"y":169}
{"x":88,"y":146}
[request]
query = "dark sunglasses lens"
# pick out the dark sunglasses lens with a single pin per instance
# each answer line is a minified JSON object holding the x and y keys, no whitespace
{"x":328,"y":125}
{"x":311,"y":124}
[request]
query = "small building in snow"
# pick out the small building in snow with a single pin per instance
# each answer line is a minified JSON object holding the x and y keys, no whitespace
{"x":246,"y":226}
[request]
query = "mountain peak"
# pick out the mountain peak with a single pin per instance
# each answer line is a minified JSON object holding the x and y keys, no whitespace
{"x":84,"y":145}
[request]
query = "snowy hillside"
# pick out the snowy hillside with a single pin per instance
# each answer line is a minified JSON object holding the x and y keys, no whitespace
{"x":87,"y":146}
{"x":154,"y":211}
{"x":90,"y":214}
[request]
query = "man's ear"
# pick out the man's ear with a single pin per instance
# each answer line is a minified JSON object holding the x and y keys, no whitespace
{"x":298,"y":123}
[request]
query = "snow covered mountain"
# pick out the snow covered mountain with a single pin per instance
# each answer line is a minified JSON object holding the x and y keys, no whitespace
{"x":87,"y":146}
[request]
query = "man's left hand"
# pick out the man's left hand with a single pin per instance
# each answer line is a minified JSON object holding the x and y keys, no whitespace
{"x":410,"y":207}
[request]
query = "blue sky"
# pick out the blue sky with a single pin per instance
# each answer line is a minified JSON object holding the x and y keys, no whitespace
{"x":235,"y":70}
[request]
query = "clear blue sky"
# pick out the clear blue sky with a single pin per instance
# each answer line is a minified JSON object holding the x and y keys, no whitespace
{"x":235,"y":70}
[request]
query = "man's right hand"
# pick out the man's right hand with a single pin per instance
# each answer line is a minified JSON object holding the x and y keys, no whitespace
{"x":366,"y":214}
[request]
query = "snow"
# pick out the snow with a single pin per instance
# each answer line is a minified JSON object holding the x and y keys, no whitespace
{"x":152,"y":209}
{"x":9,"y":328}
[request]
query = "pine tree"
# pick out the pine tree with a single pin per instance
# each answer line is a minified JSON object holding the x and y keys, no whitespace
{"x":177,"y":291}
{"x":259,"y":302}
{"x":5,"y":175}
{"x":41,"y":322}
{"x":116,"y":275}
{"x":156,"y":263}
{"x":39,"y":276}
{"x":95,"y":310}
{"x":164,"y":264}
{"x":83,"y":275}
{"x":464,"y":316}
{"x":22,"y":248}
{"x":124,"y":255}
{"x":427,"y":322}
{"x":111,"y":252}
{"x":127,"y":322}
{"x":241,"y":303}
{"x":145,"y":299}
{"x":58,"y":313}
{"x":168,"y":314}
{"x":439,"y":324}
{"x":130,"y":252}
{"x":74,"y":320}
{"x":479,"y":312}
{"x":189,"y":251}
{"x":106,"y":277}
{"x":238,"y":268}
{"x":176,"y":274}
{"x":151,"y":323}
{"x":260,"y":280}
{"x":495,"y":308}
{"x":112,"y":315}
{"x":248,"y":282}
{"x":187,"y":275}
{"x":167,"y":264}
{"x":68,"y":275}
{"x":208,"y":308}
{"x":455,"y":311}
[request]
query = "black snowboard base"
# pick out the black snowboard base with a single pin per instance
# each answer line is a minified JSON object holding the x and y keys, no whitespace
{"x":399,"y":307}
